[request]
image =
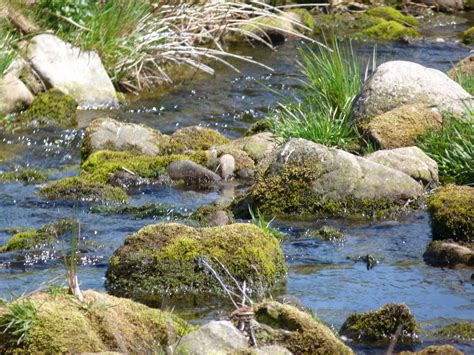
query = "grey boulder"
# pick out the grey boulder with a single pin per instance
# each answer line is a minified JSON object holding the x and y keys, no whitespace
{"x":191,"y":173}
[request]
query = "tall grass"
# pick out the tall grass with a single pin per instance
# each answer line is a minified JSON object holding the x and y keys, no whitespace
{"x":7,"y":53}
{"x":320,"y":111}
{"x":17,"y":321}
{"x":452,"y":147}
{"x":71,"y":262}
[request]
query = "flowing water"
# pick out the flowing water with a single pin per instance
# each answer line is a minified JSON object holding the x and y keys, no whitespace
{"x":324,"y":275}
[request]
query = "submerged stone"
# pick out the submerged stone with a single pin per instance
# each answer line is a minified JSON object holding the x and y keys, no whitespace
{"x":163,"y":260}
{"x":295,"y":330}
{"x":59,"y":323}
{"x":381,"y":326}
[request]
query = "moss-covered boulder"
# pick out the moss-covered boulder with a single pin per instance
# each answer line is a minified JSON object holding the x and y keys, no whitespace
{"x":263,"y":125}
{"x":167,"y":259}
{"x":452,"y":213}
{"x":42,"y":237}
{"x":449,"y":253}
{"x":257,"y":146}
{"x":381,"y":326}
{"x":52,"y":106}
{"x":295,"y":330}
{"x":391,"y":14}
{"x":468,"y":36}
{"x":390,"y":31}
{"x":59,"y":323}
{"x":80,"y":189}
{"x":435,"y":350}
{"x":401,"y":126}
{"x":212,"y":216}
{"x":330,"y":234}
{"x":303,"y":177}
{"x":458,"y":331}
{"x":25,"y":176}
{"x":196,"y":138}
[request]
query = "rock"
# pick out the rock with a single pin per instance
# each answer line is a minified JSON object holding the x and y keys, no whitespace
{"x":25,"y":176}
{"x":79,"y":189}
{"x":165,"y":260}
{"x":273,"y":29}
{"x":444,"y":5}
{"x":215,"y":337}
{"x":390,"y":31}
{"x":226,"y":166}
{"x":380,"y":326}
{"x":464,"y":68}
{"x":458,"y":331}
{"x":309,"y":178}
{"x":54,"y":107}
{"x":452,"y":213}
{"x":197,"y":138}
{"x":212,"y":216}
{"x":244,"y":165}
{"x":390,"y":14}
{"x":191,"y":173}
{"x":263,"y":125}
{"x":295,"y":330}
{"x":102,"y":323}
{"x":449,"y":253}
{"x":401,"y":126}
{"x":292,"y":301}
{"x":331,"y":234}
{"x":435,"y":349}
{"x":127,"y":180}
{"x":107,"y":133}
{"x":14,"y":95}
{"x":397,"y":83}
{"x":75,"y":72}
{"x":257,"y":146}
{"x":269,"y":350}
{"x":45,"y":236}
{"x":410,"y":160}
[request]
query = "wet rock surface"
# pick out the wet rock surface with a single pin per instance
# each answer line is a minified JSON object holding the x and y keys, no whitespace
{"x":191,"y":173}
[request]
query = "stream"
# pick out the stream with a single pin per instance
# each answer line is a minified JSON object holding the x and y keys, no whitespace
{"x":322,"y":274}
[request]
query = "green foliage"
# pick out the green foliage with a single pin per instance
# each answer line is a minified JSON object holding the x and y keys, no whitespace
{"x":26,"y":176}
{"x":465,"y":80}
{"x":7,"y":54}
{"x":452,"y":147}
{"x":461,"y":330}
{"x":331,"y":77}
{"x":391,"y":14}
{"x":17,"y":322}
{"x":390,"y":31}
{"x":265,"y":227}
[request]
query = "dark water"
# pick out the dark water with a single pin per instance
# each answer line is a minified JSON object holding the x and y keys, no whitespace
{"x":322,"y":274}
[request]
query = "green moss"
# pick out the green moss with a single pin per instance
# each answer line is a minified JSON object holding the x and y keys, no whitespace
{"x":101,"y":323}
{"x":461,"y":331}
{"x":196,"y":138}
{"x":390,"y":31}
{"x":306,"y":18}
{"x":79,"y":189}
{"x":264,"y":125}
{"x":452,"y":213}
{"x":345,"y":24}
{"x":330,"y":234}
{"x":52,"y":105}
{"x":26,"y":176}
{"x":44,"y":236}
{"x":296,"y":330}
{"x":380,"y":326}
{"x":435,"y":350}
{"x":205,"y":214}
{"x":163,"y":260}
{"x":102,"y":164}
{"x":391,"y":14}
{"x":468,"y":36}
{"x":147,"y":210}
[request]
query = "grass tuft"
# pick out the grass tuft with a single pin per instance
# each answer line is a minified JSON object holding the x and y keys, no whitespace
{"x":264,"y":225}
{"x":17,"y":322}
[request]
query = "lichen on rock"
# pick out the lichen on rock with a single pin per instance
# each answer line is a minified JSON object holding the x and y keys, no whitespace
{"x":164,"y":260}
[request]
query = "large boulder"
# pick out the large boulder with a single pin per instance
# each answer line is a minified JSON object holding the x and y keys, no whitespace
{"x":14,"y":95}
{"x":449,"y":253}
{"x":295,"y":330}
{"x":309,"y":178}
{"x":107,"y":133}
{"x":410,"y":160}
{"x":397,"y":83}
{"x":464,"y":68}
{"x":191,"y":173}
{"x":382,"y":325}
{"x":168,"y":260}
{"x":58,"y":323}
{"x":75,"y":72}
{"x":401,"y":126}
{"x":257,"y":146}
{"x":216,"y":338}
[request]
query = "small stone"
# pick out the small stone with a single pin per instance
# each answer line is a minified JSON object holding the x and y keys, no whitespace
{"x":226,"y":166}
{"x":191,"y":173}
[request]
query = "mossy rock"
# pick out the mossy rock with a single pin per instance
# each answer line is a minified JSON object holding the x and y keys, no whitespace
{"x":434,"y":350}
{"x":391,"y":14}
{"x":62,"y":324}
{"x":380,"y":326}
{"x":458,"y":331}
{"x":166,"y":259}
{"x":468,"y":36}
{"x":47,"y":235}
{"x":390,"y":31}
{"x":100,"y":165}
{"x":305,"y":17}
{"x":452,"y":213}
{"x":449,"y":253}
{"x":263,"y":125}
{"x":295,"y":330}
{"x":25,"y":176}
{"x":330,"y":234}
{"x":52,"y":106}
{"x":196,"y":138}
{"x":212,"y":216}
{"x":79,"y":189}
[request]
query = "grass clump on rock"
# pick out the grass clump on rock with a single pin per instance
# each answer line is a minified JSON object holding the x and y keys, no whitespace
{"x":452,"y":213}
{"x":26,"y":176}
{"x":58,"y":323}
{"x":381,"y":326}
{"x":164,"y":260}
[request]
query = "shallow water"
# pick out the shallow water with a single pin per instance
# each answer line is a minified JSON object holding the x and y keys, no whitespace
{"x":322,"y":274}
